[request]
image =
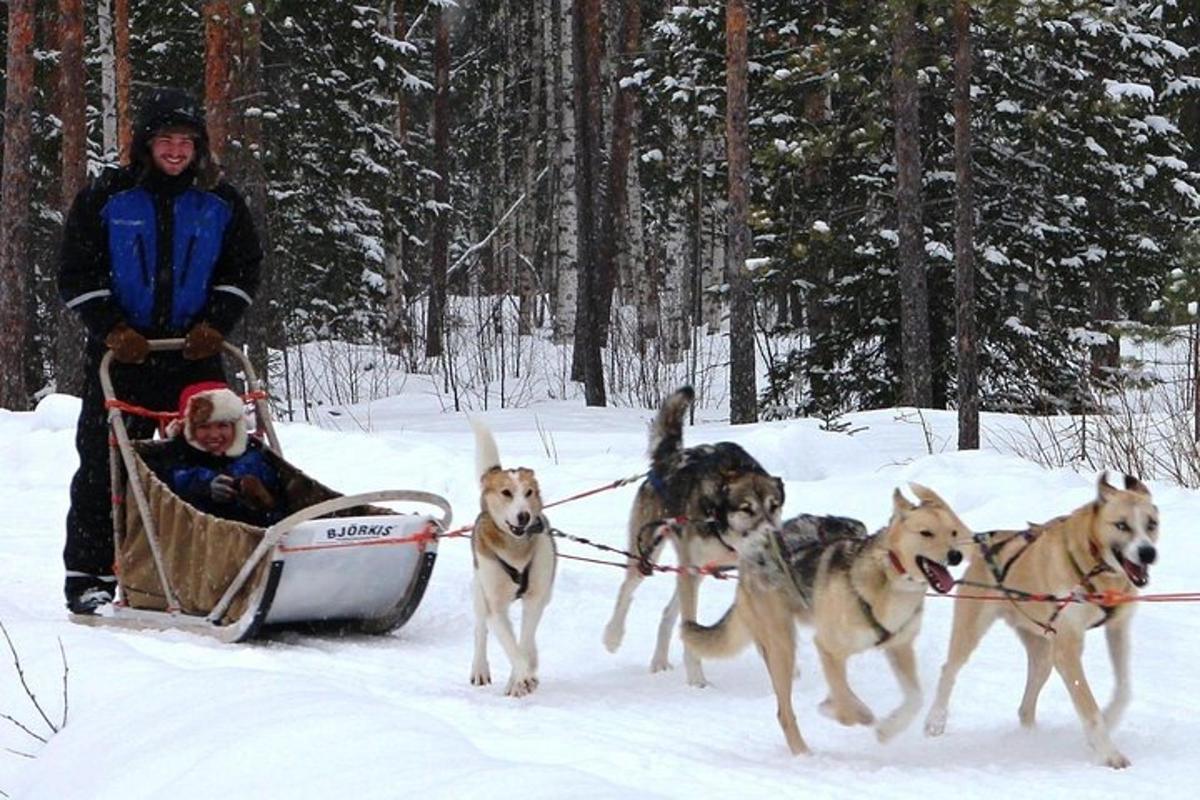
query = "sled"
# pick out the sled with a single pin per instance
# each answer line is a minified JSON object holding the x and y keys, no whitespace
{"x":340,"y":563}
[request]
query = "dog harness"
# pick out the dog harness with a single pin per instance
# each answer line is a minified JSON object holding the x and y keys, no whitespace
{"x":521,"y":577}
{"x":1085,"y":580}
{"x":882,"y":633}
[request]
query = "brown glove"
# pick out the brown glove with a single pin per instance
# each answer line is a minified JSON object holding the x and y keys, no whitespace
{"x":254,"y":495}
{"x":127,"y":345}
{"x":202,"y":341}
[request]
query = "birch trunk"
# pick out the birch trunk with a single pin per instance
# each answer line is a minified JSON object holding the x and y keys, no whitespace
{"x":108,"y":81}
{"x":566,"y":216}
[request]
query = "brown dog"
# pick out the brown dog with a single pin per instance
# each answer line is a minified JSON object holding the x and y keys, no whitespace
{"x":514,"y":559}
{"x":1106,"y":545}
{"x":859,"y":592}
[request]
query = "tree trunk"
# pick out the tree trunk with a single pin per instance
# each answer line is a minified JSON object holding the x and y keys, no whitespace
{"x":617,"y":197}
{"x":124,"y":68}
{"x":743,"y":406}
{"x":587,"y":364}
{"x":440,"y":245}
{"x":15,"y":256}
{"x":964,"y":236}
{"x":567,"y":215}
{"x":261,"y":327}
{"x":217,"y":76}
{"x":108,"y":81}
{"x":914,"y":295}
{"x":69,"y":337}
{"x":398,"y":336}
{"x":535,"y":140}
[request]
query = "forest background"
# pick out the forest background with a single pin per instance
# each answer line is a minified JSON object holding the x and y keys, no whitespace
{"x":802,"y":207}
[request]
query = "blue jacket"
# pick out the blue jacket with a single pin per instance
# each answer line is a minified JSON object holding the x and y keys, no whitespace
{"x":189,"y":472}
{"x":200,"y":220}
{"x":158,"y":253}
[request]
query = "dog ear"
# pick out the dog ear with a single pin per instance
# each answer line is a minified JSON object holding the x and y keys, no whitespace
{"x":1104,"y":489}
{"x":1134,"y":485}
{"x":926,"y":495}
{"x":900,"y":503}
{"x":779,"y":486}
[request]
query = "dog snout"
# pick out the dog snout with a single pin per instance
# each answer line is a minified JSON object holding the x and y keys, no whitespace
{"x":523,"y":518}
{"x":954,"y":558}
{"x":1147,"y":553}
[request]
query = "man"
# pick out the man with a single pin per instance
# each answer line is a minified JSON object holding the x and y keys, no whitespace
{"x":158,"y":249}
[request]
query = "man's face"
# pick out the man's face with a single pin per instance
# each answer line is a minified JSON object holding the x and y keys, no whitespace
{"x":214,"y":437}
{"x":173,"y":151}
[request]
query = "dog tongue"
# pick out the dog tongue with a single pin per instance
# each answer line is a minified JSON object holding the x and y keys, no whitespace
{"x":937,"y":575}
{"x":1136,"y":572}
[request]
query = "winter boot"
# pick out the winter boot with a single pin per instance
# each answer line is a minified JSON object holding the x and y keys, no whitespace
{"x":86,"y":593}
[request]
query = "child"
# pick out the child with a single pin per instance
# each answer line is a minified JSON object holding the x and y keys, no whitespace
{"x":214,"y":465}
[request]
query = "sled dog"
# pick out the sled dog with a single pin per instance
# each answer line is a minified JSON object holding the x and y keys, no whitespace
{"x":514,"y":559}
{"x":857,"y":591}
{"x":1106,"y":545}
{"x":707,"y":500}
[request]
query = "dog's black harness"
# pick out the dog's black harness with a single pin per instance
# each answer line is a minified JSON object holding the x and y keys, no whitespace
{"x":882,"y":633}
{"x":521,"y":577}
{"x":1085,"y":580}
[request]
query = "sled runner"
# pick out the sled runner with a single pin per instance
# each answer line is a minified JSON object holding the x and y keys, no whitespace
{"x":336,"y":562}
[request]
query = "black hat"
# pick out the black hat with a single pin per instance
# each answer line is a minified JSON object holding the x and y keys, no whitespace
{"x":165,"y":108}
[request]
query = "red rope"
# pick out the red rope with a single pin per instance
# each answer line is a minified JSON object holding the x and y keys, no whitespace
{"x":167,"y":416}
{"x":1109,"y":598}
{"x":614,"y":485}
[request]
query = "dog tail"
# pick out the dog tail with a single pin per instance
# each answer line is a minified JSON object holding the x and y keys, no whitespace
{"x":727,"y":638}
{"x":666,"y":434}
{"x":487,"y":457}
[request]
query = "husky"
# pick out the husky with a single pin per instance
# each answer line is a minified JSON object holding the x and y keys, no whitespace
{"x":707,"y":499}
{"x":514,"y":558}
{"x":1107,"y":545}
{"x":857,"y":591}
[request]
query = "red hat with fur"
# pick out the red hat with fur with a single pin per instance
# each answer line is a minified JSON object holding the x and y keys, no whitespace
{"x":211,"y":401}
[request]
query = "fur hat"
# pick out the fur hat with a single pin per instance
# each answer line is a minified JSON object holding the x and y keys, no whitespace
{"x":211,"y":401}
{"x":166,"y":108}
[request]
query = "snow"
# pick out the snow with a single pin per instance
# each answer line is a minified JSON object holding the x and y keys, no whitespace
{"x":177,"y":715}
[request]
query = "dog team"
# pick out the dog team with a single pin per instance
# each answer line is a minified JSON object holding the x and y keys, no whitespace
{"x":720,"y":508}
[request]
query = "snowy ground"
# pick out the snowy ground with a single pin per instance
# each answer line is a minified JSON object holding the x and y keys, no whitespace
{"x":155,"y":715}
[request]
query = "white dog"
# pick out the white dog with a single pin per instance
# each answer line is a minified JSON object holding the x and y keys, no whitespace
{"x":514,"y":559}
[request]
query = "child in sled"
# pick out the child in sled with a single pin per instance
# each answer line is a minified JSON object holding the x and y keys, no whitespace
{"x":214,"y":465}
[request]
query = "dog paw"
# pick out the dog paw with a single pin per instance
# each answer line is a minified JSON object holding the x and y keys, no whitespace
{"x":935,"y":723}
{"x":1116,"y":760}
{"x":846,"y":715}
{"x":887,"y":730}
{"x":481,"y":676}
{"x":613,"y":634}
{"x":519,"y":687}
{"x":660,"y":664}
